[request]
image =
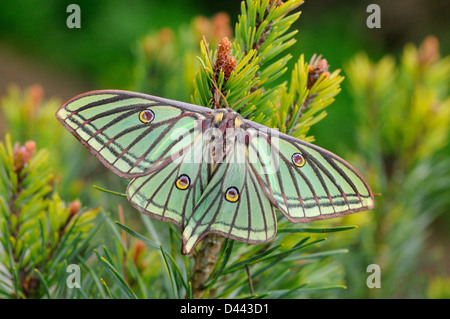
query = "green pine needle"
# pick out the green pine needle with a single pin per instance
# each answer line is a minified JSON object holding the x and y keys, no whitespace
{"x":44,"y":283}
{"x":138,"y":236}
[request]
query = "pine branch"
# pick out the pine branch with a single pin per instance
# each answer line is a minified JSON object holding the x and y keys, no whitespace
{"x":38,"y":230}
{"x":247,"y":63}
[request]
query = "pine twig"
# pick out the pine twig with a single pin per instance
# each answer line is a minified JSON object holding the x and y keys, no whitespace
{"x":206,"y":259}
{"x":250,"y":282}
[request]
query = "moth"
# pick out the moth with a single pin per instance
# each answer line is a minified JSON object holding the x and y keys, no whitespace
{"x":210,"y":170}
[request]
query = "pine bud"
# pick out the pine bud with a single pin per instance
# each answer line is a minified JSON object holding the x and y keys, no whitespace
{"x":317,"y":67}
{"x":221,"y":26}
{"x":429,"y":51}
{"x":224,"y":61}
{"x":36,"y":95}
{"x":74,"y":207}
{"x":22,"y":155}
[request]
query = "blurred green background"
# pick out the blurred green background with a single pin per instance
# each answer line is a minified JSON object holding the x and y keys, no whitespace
{"x":36,"y":47}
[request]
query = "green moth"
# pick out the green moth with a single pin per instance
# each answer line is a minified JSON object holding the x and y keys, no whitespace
{"x":209,"y":170}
